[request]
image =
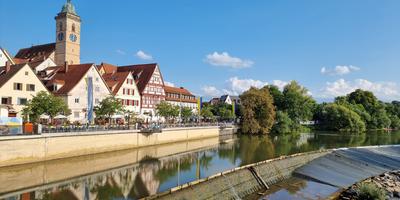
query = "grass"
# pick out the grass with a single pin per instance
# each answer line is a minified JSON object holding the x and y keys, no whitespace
{"x":370,"y":191}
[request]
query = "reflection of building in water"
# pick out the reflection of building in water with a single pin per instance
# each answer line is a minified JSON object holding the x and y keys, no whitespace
{"x":131,"y":182}
{"x":303,"y":139}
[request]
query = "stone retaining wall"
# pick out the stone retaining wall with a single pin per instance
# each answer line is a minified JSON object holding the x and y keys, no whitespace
{"x":27,"y":149}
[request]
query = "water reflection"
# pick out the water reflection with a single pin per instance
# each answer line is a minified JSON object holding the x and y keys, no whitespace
{"x":151,"y":174}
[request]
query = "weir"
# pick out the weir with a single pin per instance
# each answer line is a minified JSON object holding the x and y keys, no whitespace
{"x":344,"y":167}
{"x":339,"y":168}
{"x":241,"y":182}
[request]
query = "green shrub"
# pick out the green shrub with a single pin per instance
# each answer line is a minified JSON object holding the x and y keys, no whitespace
{"x":370,"y":191}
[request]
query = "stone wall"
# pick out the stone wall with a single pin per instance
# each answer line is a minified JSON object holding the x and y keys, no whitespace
{"x":26,"y":149}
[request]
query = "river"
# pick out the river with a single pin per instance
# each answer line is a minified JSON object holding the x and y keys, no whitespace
{"x":150,"y":175}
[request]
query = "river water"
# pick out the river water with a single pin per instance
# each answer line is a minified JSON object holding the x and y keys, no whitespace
{"x":139,"y":173}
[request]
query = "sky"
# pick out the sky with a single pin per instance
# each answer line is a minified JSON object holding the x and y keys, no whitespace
{"x":224,"y":47}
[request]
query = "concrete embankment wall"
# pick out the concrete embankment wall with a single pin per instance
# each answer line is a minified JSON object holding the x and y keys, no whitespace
{"x":240,"y":182}
{"x":27,"y":149}
{"x":46,"y":175}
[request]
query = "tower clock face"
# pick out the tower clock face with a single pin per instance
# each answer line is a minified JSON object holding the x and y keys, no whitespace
{"x":60,"y":36}
{"x":72,"y":37}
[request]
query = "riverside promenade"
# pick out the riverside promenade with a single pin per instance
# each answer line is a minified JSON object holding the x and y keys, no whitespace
{"x":36,"y":148}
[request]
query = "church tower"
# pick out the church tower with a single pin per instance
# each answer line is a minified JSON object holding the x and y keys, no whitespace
{"x":68,"y":32}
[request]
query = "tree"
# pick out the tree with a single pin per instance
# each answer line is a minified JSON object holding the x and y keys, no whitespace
{"x":297,"y":103}
{"x":258,"y":111}
{"x":206,"y":113}
{"x":167,"y":110}
{"x":45,"y":103}
{"x":365,"y":98}
{"x":339,"y":118}
{"x":283,"y":123}
{"x":277,"y":95}
{"x":186,"y":113}
{"x":108,"y":107}
{"x":223,"y":111}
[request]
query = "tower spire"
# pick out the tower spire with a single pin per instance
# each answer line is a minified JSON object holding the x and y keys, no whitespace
{"x":68,"y":7}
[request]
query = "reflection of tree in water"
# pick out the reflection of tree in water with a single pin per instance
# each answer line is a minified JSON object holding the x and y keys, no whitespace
{"x":253,"y":149}
{"x":109,"y":190}
{"x":292,"y":185}
{"x":59,"y":195}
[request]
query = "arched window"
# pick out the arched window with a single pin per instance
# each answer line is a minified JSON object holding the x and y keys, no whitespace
{"x":60,"y":26}
{"x":73,"y":27}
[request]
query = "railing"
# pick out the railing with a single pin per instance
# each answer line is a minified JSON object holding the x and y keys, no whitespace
{"x":96,"y":128}
{"x":85,"y":128}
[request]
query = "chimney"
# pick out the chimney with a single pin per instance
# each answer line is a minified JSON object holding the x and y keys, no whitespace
{"x":8,"y":66}
{"x":66,"y":66}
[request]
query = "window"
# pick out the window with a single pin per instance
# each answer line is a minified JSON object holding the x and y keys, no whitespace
{"x":133,"y":92}
{"x":129,"y":91}
{"x":60,"y":26}
{"x":127,"y":81}
{"x":76,"y":100}
{"x":18,"y":86}
{"x":26,"y":73}
{"x":73,"y":27}
{"x":96,"y":101}
{"x":97,"y":79}
{"x":6,"y":100}
{"x":97,"y":89}
{"x":22,"y":101}
{"x":123,"y":91}
{"x":76,"y":114}
{"x":30,"y":87}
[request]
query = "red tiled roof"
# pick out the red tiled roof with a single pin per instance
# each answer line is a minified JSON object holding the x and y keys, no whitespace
{"x":180,"y":91}
{"x":176,"y":90}
{"x":116,"y":79}
{"x":19,"y":60}
{"x":35,"y":52}
{"x":108,"y":68}
{"x":36,"y":63}
{"x":142,"y":73}
{"x":4,"y":77}
{"x":72,"y":77}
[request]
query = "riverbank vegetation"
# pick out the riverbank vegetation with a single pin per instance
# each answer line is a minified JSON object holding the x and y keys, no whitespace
{"x":294,"y":110}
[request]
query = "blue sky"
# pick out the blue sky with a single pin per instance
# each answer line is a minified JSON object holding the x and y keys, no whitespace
{"x":214,"y":47}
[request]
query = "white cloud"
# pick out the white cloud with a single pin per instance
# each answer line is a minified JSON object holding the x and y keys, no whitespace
{"x":280,"y":84}
{"x":121,"y":52}
{"x":383,"y":90}
{"x":225,"y":60}
{"x":339,"y":70}
{"x":211,"y":91}
{"x":237,"y":86}
{"x":142,"y":55}
{"x":169,"y":84}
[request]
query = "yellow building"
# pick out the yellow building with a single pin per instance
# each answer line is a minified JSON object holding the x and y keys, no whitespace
{"x":18,"y":85}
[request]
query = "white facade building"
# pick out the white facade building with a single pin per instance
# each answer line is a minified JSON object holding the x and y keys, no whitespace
{"x":71,"y":82}
{"x":18,"y":85}
{"x":123,"y":86}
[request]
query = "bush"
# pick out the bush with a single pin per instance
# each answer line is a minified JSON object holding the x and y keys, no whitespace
{"x":370,"y":191}
{"x":339,"y":118}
